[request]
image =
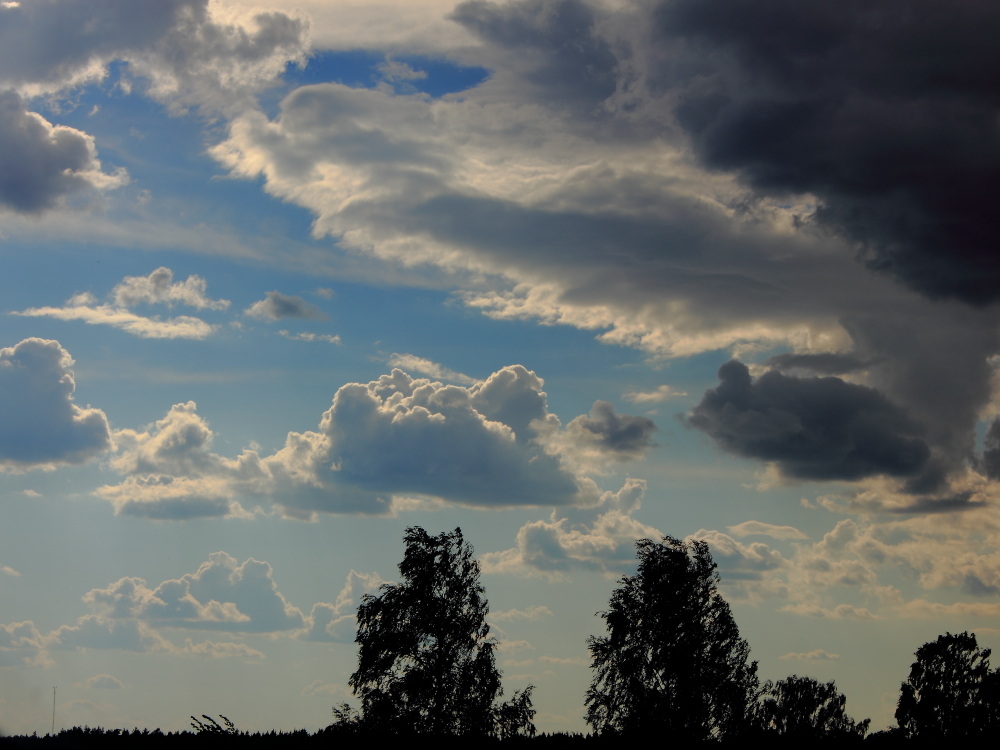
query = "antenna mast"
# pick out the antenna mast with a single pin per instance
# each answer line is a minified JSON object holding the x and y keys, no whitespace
{"x":53,"y":712}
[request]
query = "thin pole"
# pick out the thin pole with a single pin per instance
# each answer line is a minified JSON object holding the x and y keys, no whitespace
{"x":53,"y":712}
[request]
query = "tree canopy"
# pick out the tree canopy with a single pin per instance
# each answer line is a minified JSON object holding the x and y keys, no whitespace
{"x":806,"y":708}
{"x":673,"y":660}
{"x":951,"y":691}
{"x":425,"y":658}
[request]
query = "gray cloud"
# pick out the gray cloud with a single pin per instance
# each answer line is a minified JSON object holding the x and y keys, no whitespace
{"x":336,"y":623}
{"x":620,"y":435}
{"x":553,"y":48}
{"x":42,"y":165}
{"x":50,"y":42}
{"x":40,"y":426}
{"x":827,"y":363}
{"x":393,"y":437}
{"x":276,"y":306}
{"x":812,"y":428}
{"x":160,"y":287}
{"x":220,"y":595}
{"x":105,"y":682}
{"x":991,"y":452}
{"x":185,"y":55}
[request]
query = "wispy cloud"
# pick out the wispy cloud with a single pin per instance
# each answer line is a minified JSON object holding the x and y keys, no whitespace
{"x":536,"y":612}
{"x":157,"y":288}
{"x":421,"y":366}
{"x":180,"y":327}
{"x":812,"y":657}
{"x":311,"y":337}
{"x":752,"y":528}
{"x":661,"y":393}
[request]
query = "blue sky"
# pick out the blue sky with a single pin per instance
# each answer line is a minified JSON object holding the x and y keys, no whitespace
{"x":282,"y":280}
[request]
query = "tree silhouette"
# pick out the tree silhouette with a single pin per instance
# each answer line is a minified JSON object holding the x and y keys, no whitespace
{"x":673,"y":661}
{"x":425,"y":658}
{"x":802,"y":707}
{"x":950,"y":691}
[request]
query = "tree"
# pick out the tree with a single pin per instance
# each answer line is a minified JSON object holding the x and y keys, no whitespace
{"x":950,"y":691}
{"x":425,"y":658}
{"x":673,"y":661}
{"x":803,"y":707}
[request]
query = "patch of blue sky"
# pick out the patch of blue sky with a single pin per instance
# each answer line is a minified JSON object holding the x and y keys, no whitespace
{"x":361,"y":69}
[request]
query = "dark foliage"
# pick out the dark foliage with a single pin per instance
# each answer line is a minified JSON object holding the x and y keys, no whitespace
{"x":951,"y":691}
{"x":804,"y":708}
{"x":673,"y":662}
{"x":425,"y":658}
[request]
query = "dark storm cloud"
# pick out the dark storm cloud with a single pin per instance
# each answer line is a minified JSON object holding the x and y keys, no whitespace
{"x":40,"y":165}
{"x":557,"y":42}
{"x":826,"y":363}
{"x":991,"y":452}
{"x":886,"y":111}
{"x":812,"y":428}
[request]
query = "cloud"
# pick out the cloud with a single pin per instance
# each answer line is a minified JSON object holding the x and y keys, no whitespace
{"x":535,"y":612}
{"x":42,"y":166}
{"x":604,"y":431}
{"x":421,"y":366}
{"x":751,"y":528}
{"x":813,"y":657}
{"x":578,"y":660}
{"x":40,"y":426}
{"x":21,"y":644}
{"x":330,"y":339}
{"x":160,"y":287}
{"x":826,"y":363}
{"x":395,"y":436}
{"x":104,"y":682}
{"x":220,"y":650}
{"x":394,"y":70}
{"x":811,"y":428}
{"x":9,"y":571}
{"x":84,"y":307}
{"x":190,"y":52}
{"x":749,"y":571}
{"x":660,"y":394}
{"x":336,"y":623}
{"x":220,"y":595}
{"x":277,"y":306}
{"x":574,"y":199}
{"x":860,"y":121}
{"x":320,"y":688}
{"x":597,"y":538}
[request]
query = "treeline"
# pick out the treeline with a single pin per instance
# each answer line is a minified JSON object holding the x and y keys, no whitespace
{"x":671,"y":665}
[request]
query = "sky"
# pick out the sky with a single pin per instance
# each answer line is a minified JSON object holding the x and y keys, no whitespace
{"x":281,"y":280}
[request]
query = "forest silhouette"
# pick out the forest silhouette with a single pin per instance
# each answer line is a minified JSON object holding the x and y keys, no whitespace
{"x":671,"y":667}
